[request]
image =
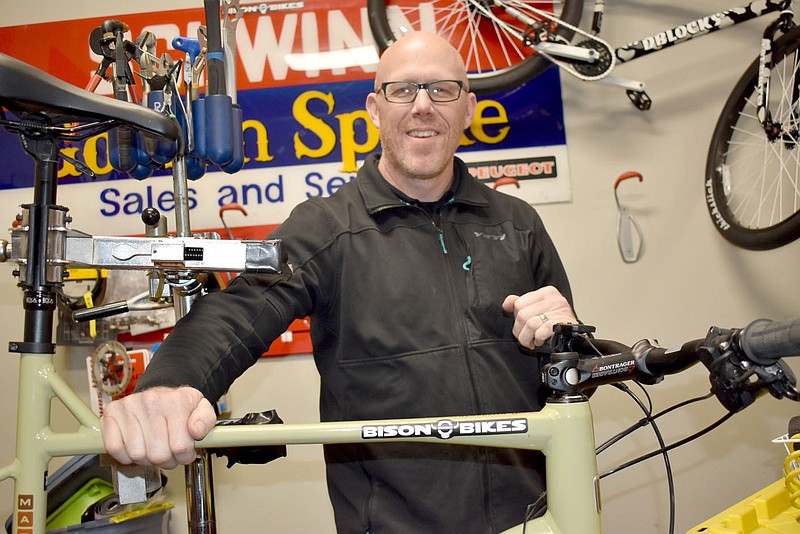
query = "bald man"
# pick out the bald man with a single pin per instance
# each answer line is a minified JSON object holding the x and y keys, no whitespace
{"x":426,"y":291}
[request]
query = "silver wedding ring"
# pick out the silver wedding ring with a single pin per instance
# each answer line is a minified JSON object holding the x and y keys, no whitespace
{"x":543,"y":317}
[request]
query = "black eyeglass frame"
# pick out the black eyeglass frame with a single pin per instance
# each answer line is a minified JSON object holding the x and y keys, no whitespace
{"x":420,"y":86}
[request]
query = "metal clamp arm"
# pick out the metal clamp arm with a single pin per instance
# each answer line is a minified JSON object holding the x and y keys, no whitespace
{"x":179,"y":253}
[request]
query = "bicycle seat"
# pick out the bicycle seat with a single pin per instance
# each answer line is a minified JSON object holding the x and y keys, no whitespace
{"x":24,"y":88}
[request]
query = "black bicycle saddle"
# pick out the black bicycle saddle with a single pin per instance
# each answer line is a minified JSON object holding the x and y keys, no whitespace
{"x":24,"y":88}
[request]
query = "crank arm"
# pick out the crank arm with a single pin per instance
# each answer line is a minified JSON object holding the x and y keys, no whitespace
{"x":563,"y":51}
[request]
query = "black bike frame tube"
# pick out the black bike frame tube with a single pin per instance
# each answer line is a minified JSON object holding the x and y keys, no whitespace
{"x":697,"y":28}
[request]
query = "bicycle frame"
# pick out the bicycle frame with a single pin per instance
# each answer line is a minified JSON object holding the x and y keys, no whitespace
{"x":562,"y":430}
{"x":748,"y":206}
{"x":698,"y":28}
{"x":587,"y":56}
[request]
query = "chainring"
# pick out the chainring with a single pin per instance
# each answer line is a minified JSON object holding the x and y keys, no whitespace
{"x":599,"y":67}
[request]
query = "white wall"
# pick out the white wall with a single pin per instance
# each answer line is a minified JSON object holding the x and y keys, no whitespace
{"x":688,"y":279}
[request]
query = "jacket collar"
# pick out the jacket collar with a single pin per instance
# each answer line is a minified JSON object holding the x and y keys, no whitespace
{"x":378,"y":195}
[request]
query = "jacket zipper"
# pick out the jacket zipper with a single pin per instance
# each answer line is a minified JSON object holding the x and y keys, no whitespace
{"x":483,"y":464}
{"x":439,"y":231}
{"x":467,"y":266}
{"x":440,"y":215}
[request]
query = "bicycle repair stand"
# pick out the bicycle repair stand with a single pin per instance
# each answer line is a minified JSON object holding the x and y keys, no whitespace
{"x":44,"y":247}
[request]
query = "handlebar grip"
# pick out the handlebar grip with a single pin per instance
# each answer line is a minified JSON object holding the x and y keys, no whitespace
{"x":765,"y":341}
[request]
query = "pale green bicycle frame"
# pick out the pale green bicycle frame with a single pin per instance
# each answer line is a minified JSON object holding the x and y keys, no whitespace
{"x":563,"y":431}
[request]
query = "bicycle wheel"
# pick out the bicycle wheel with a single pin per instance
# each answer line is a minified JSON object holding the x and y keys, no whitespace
{"x":489,"y":34}
{"x":752,"y":184}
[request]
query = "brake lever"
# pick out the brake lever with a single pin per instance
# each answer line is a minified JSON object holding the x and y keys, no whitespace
{"x":736,"y":380}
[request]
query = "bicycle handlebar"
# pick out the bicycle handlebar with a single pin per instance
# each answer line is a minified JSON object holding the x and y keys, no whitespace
{"x":743,"y":363}
{"x":765,"y":341}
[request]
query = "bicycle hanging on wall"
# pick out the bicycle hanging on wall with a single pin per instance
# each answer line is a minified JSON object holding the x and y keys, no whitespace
{"x":752,"y":175}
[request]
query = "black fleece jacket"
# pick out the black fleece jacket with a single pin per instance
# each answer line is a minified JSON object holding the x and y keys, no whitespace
{"x":406,"y":321}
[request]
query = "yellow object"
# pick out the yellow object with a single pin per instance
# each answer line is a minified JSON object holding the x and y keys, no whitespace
{"x":768,"y":511}
{"x":85,"y":274}
{"x":87,"y":299}
{"x":141,"y":512}
{"x":791,"y":468}
{"x":71,"y":511}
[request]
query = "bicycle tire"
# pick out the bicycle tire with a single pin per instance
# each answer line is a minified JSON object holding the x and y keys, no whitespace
{"x":758,"y":213}
{"x":477,"y":38}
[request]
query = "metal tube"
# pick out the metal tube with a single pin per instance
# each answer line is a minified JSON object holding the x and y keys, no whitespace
{"x":181,"y":188}
{"x":200,"y":496}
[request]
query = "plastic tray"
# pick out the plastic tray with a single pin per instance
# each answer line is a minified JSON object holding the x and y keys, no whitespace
{"x":767,"y":511}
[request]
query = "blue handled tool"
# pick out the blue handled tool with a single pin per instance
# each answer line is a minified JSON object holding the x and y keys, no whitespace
{"x":231,"y":15}
{"x":218,"y":105}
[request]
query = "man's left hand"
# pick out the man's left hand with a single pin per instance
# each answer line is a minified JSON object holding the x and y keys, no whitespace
{"x":535,"y":313}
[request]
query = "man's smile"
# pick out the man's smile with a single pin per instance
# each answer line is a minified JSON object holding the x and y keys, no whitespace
{"x":422,"y":133}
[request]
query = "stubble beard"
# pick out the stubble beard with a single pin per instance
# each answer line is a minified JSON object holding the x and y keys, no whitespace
{"x":415,"y":166}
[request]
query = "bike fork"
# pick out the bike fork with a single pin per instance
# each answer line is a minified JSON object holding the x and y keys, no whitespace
{"x":782,"y":24}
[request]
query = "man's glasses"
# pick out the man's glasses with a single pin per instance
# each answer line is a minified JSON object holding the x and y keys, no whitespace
{"x":406,"y":92}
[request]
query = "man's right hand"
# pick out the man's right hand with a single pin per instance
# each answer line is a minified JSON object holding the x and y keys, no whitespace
{"x":157,"y":426}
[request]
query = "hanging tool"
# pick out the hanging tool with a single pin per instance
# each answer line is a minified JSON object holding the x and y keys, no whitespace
{"x":161,"y":100}
{"x":144,"y":55}
{"x":218,"y":104}
{"x":100,"y":46}
{"x":191,"y":47}
{"x":195,"y":164}
{"x":231,"y":14}
{"x":629,"y":235}
{"x":108,"y":41}
{"x":198,"y":104}
{"x":146,"y":51}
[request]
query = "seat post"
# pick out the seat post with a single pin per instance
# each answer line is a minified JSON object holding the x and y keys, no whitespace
{"x":43,"y":235}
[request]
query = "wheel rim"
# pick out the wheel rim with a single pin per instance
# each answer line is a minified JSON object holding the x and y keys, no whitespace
{"x":755,"y":195}
{"x":490,"y":45}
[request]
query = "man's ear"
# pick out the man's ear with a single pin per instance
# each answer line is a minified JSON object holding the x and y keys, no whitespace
{"x":372,"y":109}
{"x":472,"y":104}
